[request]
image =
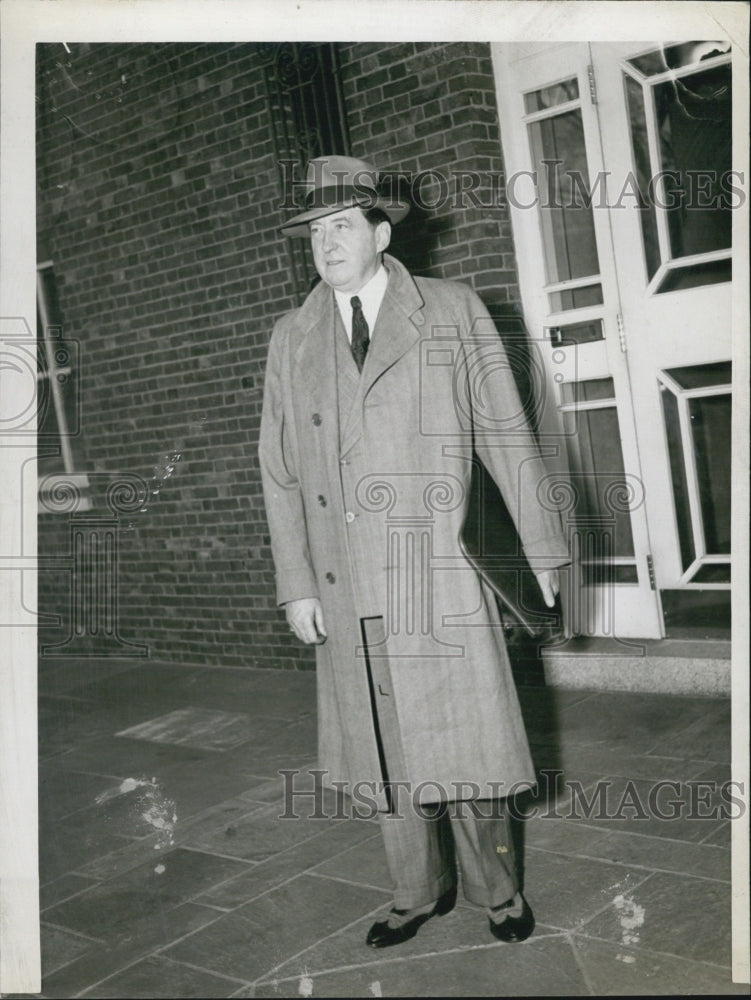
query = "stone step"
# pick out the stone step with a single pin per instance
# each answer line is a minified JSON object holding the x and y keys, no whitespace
{"x":665,"y":666}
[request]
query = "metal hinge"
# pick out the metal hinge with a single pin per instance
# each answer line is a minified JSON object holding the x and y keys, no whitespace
{"x":651,"y":570}
{"x":592,"y":84}
{"x":621,"y":333}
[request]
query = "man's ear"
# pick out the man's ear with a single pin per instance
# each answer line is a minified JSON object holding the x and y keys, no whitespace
{"x":383,"y":236}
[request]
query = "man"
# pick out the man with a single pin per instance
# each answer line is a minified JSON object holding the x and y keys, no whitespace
{"x":380,"y":390}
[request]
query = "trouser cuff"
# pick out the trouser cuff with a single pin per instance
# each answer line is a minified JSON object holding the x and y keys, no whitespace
{"x":408,"y":898}
{"x":480,"y":895}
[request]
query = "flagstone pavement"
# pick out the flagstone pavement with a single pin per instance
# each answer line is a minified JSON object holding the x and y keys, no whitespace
{"x":168,"y":870}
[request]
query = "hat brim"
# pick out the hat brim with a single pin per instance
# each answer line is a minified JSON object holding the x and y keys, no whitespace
{"x":298,"y":225}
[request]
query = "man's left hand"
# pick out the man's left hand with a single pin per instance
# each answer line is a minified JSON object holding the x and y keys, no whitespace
{"x":549,"y":585}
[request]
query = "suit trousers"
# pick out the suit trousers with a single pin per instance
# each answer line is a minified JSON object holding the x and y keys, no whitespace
{"x":428,"y":845}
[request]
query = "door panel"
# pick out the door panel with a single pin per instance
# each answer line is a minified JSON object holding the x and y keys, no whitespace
{"x":628,"y":294}
{"x":674,"y":271}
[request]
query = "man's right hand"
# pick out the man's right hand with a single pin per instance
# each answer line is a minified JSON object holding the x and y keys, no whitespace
{"x":305,"y":618}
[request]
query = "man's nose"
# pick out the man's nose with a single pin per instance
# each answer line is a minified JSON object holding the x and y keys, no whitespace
{"x":329,"y":239}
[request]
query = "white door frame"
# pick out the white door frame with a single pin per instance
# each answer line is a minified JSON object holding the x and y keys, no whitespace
{"x":621,"y":610}
{"x":664,"y":330}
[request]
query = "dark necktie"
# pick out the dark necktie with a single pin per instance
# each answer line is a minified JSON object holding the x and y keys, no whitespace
{"x":360,"y":338}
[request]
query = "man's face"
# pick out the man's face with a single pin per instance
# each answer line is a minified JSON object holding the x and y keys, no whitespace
{"x":346,"y":248}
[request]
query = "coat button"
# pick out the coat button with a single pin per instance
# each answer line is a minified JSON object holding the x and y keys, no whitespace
{"x":316,"y":418}
{"x":331,"y":578}
{"x":349,"y":517}
{"x":321,"y":499}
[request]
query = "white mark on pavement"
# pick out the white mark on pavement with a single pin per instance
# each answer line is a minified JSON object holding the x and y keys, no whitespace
{"x":631,"y":917}
{"x":375,"y":989}
{"x":305,"y":989}
{"x":129,"y":785}
{"x":151,"y":805}
{"x":623,"y":885}
{"x":160,"y":813}
{"x":628,"y":959}
{"x":160,"y":869}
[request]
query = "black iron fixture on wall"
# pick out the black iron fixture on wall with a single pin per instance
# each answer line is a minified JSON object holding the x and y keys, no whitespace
{"x":306,"y":107}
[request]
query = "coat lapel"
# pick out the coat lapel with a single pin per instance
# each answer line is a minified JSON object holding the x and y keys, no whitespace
{"x":397,"y":328}
{"x":347,"y":375}
{"x":314,"y":373}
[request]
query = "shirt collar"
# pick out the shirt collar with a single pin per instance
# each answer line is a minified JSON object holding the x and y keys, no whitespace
{"x":370,"y":295}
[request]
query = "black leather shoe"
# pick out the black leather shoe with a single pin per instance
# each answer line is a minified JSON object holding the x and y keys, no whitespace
{"x":514,"y":929}
{"x":381,"y":935}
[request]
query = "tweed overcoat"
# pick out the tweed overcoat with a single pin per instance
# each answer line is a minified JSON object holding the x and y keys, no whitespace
{"x":365,"y":505}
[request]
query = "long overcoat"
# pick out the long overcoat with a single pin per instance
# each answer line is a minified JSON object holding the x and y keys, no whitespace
{"x":365,"y":501}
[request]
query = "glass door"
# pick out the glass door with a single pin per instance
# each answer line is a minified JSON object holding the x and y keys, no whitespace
{"x":621,"y":191}
{"x":571,"y":301}
{"x":664,"y":115}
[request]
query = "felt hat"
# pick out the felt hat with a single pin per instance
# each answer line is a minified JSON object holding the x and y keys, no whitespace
{"x":334,"y":183}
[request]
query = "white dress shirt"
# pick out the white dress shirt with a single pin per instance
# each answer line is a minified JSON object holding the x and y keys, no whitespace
{"x":370,"y":295}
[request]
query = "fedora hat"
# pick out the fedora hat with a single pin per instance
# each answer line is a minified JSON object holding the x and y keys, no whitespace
{"x":334,"y":183}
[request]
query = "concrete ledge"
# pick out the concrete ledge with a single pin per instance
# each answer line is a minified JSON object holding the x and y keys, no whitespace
{"x":665,"y":666}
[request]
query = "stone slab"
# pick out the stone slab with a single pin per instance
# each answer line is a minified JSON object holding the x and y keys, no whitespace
{"x":200,"y":727}
{"x":614,"y":969}
{"x":663,"y":913}
{"x":159,"y":977}
{"x":102,"y":962}
{"x":119,"y":909}
{"x":288,"y":864}
{"x":280,"y":923}
{"x":546,"y":967}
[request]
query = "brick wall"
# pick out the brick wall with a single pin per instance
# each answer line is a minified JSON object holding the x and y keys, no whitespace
{"x":158,"y":203}
{"x":429,"y":111}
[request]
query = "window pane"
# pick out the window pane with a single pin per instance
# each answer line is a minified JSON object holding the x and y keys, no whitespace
{"x":47,"y":426}
{"x":710,"y":272}
{"x":678,"y":476}
{"x":694,"y":613}
{"x":702,"y":376}
{"x":588,"y":390}
{"x":677,"y":56}
{"x":599,"y":575}
{"x":694,"y":129}
{"x":549,"y":97}
{"x":567,"y":224}
{"x":57,"y":363}
{"x":597,"y":461}
{"x":710,"y":426}
{"x":643,"y":170}
{"x":712,"y":573}
{"x":49,"y":458}
{"x":49,"y":455}
{"x":651,"y":63}
{"x":575,"y":298}
{"x":49,"y":286}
